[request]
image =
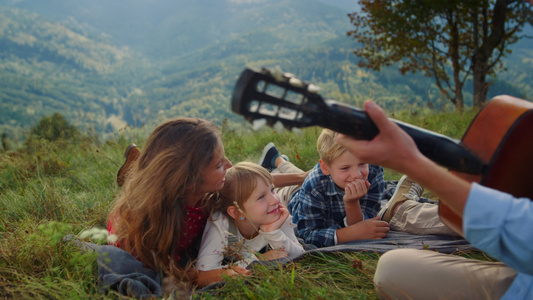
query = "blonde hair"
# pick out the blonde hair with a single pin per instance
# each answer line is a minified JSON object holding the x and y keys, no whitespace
{"x":241,"y":181}
{"x":149,"y":213}
{"x":327,"y":147}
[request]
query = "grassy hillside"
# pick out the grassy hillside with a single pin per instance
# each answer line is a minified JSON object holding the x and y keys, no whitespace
{"x":66,"y":187}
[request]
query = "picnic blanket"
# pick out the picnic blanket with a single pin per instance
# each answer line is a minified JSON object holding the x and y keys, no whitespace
{"x":121,"y":272}
{"x":394,"y":240}
{"x":398,"y":240}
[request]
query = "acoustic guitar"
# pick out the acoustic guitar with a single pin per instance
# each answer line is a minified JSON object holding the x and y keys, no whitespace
{"x":272,"y":97}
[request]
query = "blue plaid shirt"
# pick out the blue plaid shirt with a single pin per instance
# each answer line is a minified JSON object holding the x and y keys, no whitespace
{"x":318,"y":210}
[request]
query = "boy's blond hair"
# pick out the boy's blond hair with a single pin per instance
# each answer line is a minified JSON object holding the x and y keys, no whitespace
{"x":327,"y":147}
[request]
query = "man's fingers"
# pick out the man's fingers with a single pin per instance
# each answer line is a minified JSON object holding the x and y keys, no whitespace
{"x":376,"y":114}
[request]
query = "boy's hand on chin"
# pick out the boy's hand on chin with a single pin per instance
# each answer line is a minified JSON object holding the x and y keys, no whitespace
{"x":355,"y":190}
{"x":284,"y":215}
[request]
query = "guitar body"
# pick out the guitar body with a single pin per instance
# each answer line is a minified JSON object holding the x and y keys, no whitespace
{"x":502,"y":136}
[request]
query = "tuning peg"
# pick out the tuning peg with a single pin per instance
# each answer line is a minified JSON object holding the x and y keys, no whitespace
{"x":278,"y":126}
{"x":311,"y":88}
{"x":258,"y":124}
{"x":296,"y":82}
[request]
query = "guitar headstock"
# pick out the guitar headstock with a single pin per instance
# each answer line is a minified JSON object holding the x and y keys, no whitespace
{"x":275,"y":96}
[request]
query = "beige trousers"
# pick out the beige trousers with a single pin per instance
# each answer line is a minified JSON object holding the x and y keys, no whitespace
{"x":285,"y":193}
{"x":424,"y":274}
{"x":419,"y":218}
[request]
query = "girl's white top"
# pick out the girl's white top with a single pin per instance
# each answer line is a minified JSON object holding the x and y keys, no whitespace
{"x":221,"y":239}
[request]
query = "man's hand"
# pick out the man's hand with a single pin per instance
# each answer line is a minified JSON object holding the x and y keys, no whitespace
{"x":392,"y":148}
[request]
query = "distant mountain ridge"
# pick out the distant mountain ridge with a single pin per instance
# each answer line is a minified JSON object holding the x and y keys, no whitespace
{"x":158,"y":27}
{"x":105,"y":64}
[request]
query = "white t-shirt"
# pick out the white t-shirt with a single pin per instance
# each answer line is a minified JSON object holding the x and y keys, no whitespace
{"x":221,"y":234}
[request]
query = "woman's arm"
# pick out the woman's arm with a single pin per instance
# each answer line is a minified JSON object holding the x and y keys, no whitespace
{"x":207,"y":277}
{"x":211,"y":255}
{"x":286,"y":179}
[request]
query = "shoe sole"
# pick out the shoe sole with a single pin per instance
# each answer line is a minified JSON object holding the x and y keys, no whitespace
{"x":388,"y":212}
{"x":131,"y":154}
{"x":265,"y":151}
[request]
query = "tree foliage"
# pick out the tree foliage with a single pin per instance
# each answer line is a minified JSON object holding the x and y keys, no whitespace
{"x":55,"y":127}
{"x":451,"y":41}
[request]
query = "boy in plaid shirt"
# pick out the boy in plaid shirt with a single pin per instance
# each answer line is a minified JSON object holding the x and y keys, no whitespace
{"x":340,"y":198}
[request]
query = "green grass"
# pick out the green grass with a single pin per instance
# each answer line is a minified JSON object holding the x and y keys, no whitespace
{"x":316,"y":276}
{"x":62,"y":188}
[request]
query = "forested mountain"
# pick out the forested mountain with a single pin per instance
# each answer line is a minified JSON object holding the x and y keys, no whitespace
{"x":104,"y":64}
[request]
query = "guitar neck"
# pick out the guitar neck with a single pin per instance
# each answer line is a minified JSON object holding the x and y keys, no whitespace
{"x":441,"y":149}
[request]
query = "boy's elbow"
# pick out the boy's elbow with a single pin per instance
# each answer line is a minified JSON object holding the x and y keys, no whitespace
{"x":315,"y":241}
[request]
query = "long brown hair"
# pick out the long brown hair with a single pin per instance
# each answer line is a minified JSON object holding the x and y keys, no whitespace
{"x":148,"y":215}
{"x":241,"y":181}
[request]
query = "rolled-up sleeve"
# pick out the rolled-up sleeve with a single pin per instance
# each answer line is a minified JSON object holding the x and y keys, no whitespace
{"x":500,"y":225}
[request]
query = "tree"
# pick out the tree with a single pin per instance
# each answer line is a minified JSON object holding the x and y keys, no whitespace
{"x":55,"y":127}
{"x":452,"y":41}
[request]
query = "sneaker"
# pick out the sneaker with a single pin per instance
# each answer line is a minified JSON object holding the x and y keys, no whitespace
{"x":406,"y":189}
{"x":268,"y":157}
{"x":131,"y":154}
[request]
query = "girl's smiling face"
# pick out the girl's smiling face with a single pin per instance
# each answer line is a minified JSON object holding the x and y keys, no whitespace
{"x":263,"y":204}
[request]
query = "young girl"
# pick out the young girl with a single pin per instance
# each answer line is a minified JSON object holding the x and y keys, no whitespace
{"x":246,"y":216}
{"x":158,"y":216}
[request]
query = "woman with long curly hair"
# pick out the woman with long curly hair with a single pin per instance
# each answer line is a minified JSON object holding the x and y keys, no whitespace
{"x":158,"y":217}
